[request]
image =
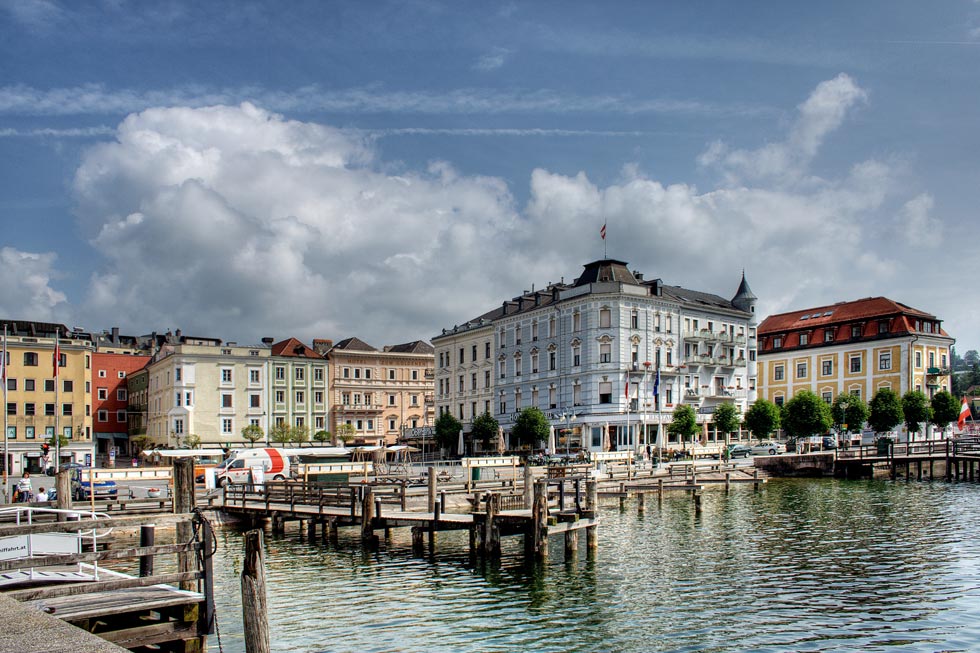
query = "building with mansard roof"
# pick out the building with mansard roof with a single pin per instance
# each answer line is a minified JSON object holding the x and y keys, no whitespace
{"x":589,"y":354}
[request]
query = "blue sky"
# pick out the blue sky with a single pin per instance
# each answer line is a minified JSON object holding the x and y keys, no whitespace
{"x":388,"y":169}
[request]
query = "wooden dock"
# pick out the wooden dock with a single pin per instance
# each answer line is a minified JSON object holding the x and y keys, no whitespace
{"x":958,"y":459}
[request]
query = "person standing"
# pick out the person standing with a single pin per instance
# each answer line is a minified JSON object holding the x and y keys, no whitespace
{"x":24,"y":488}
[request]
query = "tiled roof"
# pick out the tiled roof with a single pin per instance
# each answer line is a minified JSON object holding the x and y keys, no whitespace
{"x":606,"y":270}
{"x":415,"y":347}
{"x":354,"y":344}
{"x":855,"y":311}
{"x":696,"y":298}
{"x":293,"y":347}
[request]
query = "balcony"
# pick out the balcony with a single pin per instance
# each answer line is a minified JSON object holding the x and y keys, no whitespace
{"x":692,"y":393}
{"x":362,"y":409}
{"x":937,"y":371}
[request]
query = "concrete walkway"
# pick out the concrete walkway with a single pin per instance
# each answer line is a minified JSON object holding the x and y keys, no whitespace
{"x":26,"y":630}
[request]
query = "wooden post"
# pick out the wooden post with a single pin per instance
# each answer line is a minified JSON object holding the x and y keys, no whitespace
{"x":311,"y":529}
{"x":418,"y":541}
{"x":660,"y":491}
{"x":493,"y":529}
{"x":206,"y":622}
{"x":640,"y":502}
{"x":254,"y":615}
{"x":183,"y":501}
{"x":367,"y":516}
{"x":147,"y":532}
{"x":334,"y":531}
{"x":755,"y":479}
{"x":539,"y":519}
{"x":728,"y":481}
{"x":697,"y":501}
{"x":528,"y":486}
{"x":592,"y":505}
{"x":404,"y":496}
{"x":433,"y":482}
{"x":62,"y":484}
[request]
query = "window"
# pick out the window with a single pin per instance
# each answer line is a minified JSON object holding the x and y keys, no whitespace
{"x":300,"y":397}
{"x":49,"y":409}
{"x":188,"y":398}
{"x":49,"y":385}
{"x":176,"y":374}
{"x":534,"y":363}
{"x":255,"y":401}
{"x":29,"y":432}
{"x":29,"y":383}
{"x":318,"y":397}
{"x":66,"y":409}
{"x":577,"y":322}
{"x":280,"y":373}
{"x":121,"y":394}
{"x":462,"y":355}
{"x":534,"y":331}
{"x":254,"y":376}
{"x":486,"y":378}
{"x":828,"y":397}
{"x":346,"y":373}
{"x":828,"y":335}
{"x":605,"y":318}
{"x":178,"y":426}
{"x":605,"y":392}
{"x":577,"y":394}
{"x":552,"y":360}
{"x":102,"y":374}
{"x":634,"y":319}
{"x":800,"y":370}
{"x":345,"y":398}
{"x":391,"y":375}
{"x":856,"y":392}
{"x":918,"y":359}
{"x":827,"y":368}
{"x":486,"y":349}
{"x":778,"y":400}
{"x":882,"y":326}
{"x":777,"y":373}
{"x":317,"y":373}
{"x":391,"y":400}
{"x":11,"y":407}
{"x":227,"y":425}
{"x":29,"y":409}
{"x":804,"y":339}
{"x":299,"y":373}
{"x":576,"y":356}
{"x":226,"y":375}
{"x":415,"y":375}
{"x":885,"y":360}
{"x":281,"y":397}
{"x":67,"y":386}
{"x":103,"y":393}
{"x":517,"y":334}
{"x":503,"y":369}
{"x":518,"y":367}
{"x":357,"y":372}
{"x":226,"y":400}
{"x":120,"y":416}
{"x":30,"y":359}
{"x":777,"y":342}
{"x":473,"y":381}
{"x":415,"y":400}
{"x":856,"y":331}
{"x":855,"y":364}
{"x":552,"y":402}
{"x":605,"y":352}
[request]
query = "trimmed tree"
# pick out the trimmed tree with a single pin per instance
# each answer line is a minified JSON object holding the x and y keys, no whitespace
{"x":916,"y":411}
{"x":762,"y":418}
{"x":851,"y":410}
{"x":281,"y":433}
{"x":299,"y":434}
{"x":447,"y":430}
{"x":322,"y":436}
{"x":684,"y":424}
{"x":192,"y":441}
{"x":346,"y":433}
{"x":727,"y":419}
{"x":806,"y":415}
{"x":253,"y":433}
{"x":485,"y":430}
{"x":530,"y":427}
{"x":945,"y":409}
{"x":885,"y":411}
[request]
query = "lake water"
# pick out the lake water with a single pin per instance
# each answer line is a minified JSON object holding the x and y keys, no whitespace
{"x":811,"y":565}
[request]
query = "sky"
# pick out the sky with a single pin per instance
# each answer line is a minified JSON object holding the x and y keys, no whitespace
{"x":386,"y":170}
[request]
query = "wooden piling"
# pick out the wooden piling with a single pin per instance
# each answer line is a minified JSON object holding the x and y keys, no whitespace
{"x":528,"y":486}
{"x":728,"y":481}
{"x":640,"y":502}
{"x":660,"y":491}
{"x":367,"y":517}
{"x":254,"y":613}
{"x":183,"y":502}
{"x":418,"y":540}
{"x":697,"y":501}
{"x":492,"y":538}
{"x":403,"y":496}
{"x":592,"y":506}
{"x":539,"y":519}
{"x":147,"y":533}
{"x":433,"y":486}
{"x":755,"y":479}
{"x":62,"y":484}
{"x":311,"y":529}
{"x":571,"y":543}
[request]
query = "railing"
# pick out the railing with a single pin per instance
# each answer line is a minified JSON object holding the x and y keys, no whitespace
{"x":927,"y":448}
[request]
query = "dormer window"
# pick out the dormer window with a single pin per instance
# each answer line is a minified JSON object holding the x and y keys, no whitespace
{"x":804,"y":339}
{"x":828,"y":335}
{"x":777,"y":342}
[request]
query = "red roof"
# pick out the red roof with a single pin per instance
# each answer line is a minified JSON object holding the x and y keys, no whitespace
{"x":293,"y":347}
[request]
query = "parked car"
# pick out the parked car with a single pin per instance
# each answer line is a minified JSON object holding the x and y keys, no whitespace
{"x":829,"y":443}
{"x":80,"y":486}
{"x":739,"y":451}
{"x":769,"y":447}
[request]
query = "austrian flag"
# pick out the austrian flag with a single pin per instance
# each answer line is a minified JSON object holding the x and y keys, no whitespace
{"x":964,"y":414}
{"x":602,"y":232}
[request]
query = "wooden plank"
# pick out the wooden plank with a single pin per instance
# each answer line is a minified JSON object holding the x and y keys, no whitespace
{"x":86,"y":524}
{"x":90,"y":606}
{"x":34,"y":593}
{"x":150,"y":634}
{"x":112,"y":554}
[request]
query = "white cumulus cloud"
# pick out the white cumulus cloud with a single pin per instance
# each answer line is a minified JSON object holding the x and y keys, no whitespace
{"x":27,"y":292}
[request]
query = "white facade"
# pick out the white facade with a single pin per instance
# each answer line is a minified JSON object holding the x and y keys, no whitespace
{"x":465,"y":358}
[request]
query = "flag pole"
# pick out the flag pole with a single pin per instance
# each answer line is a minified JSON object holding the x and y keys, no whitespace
{"x":57,"y":401}
{"x":6,"y":455}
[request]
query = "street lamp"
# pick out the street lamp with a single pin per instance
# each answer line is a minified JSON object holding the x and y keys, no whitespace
{"x":568,"y":417}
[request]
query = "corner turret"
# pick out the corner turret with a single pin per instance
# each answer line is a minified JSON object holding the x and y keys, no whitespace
{"x":744,"y":299}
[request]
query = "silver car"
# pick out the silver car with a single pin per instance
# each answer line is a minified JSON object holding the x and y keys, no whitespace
{"x":769,"y":447}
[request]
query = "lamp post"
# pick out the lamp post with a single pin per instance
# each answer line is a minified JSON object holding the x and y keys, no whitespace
{"x":568,"y":417}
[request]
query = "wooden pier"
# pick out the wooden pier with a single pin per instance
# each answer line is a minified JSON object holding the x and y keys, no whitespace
{"x":956,"y":459}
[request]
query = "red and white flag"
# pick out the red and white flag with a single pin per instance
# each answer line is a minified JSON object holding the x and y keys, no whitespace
{"x":602,"y":232}
{"x":627,"y":385}
{"x":57,"y":357}
{"x":964,"y":414}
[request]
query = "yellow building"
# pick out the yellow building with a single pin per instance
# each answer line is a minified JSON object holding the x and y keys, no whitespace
{"x":40,"y":405}
{"x":853,"y":347}
{"x":382,"y":394}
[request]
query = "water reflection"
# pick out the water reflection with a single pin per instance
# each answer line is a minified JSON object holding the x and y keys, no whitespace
{"x":796,"y":566}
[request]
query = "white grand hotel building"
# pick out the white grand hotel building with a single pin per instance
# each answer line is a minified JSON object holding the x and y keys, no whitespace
{"x":571,"y":350}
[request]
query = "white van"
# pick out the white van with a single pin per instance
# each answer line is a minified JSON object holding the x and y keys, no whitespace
{"x":249,"y":464}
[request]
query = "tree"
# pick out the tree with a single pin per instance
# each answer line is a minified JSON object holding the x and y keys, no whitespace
{"x":485,"y":430}
{"x":762,"y":418}
{"x":346,"y":433}
{"x":192,"y":441}
{"x":971,"y":357}
{"x":281,"y":433}
{"x":945,"y":409}
{"x":299,"y":434}
{"x":806,"y":415}
{"x":916,"y":411}
{"x":684,"y":423}
{"x":727,"y":419}
{"x":322,"y":436}
{"x":447,"y":430}
{"x":57,"y":439}
{"x":530,"y":427}
{"x":851,"y":410}
{"x":253,"y":433}
{"x":885,"y":411}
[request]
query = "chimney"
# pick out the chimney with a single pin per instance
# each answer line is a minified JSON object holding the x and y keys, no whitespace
{"x":638,"y":275}
{"x":505,"y":307}
{"x":177,"y":335}
{"x":267,"y":340}
{"x":322,"y":346}
{"x":115,"y":336}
